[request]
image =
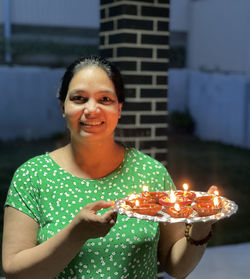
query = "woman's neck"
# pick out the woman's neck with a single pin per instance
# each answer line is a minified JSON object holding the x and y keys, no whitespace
{"x":95,"y":159}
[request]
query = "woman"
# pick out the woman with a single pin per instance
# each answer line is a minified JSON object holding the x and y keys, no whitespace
{"x":58,"y":221}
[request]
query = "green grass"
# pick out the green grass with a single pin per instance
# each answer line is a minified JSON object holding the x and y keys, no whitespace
{"x":203,"y":164}
{"x":13,"y":154}
{"x":199,"y":163}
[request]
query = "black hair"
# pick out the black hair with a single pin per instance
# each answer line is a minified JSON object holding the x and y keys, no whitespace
{"x":111,"y":70}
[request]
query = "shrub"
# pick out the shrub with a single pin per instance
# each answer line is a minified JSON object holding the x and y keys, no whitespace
{"x":181,"y":122}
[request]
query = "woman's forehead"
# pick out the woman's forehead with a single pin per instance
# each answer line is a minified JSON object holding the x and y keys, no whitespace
{"x":91,"y":79}
{"x":91,"y":68}
{"x":91,"y":73}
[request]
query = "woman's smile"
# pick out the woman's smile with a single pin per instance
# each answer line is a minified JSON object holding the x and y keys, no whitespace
{"x":92,"y":123}
{"x":91,"y":126}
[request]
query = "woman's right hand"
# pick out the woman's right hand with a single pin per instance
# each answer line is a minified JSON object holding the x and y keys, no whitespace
{"x":88,"y":224}
{"x":23,"y":258}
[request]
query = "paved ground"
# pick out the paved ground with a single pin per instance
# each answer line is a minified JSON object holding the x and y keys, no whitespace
{"x":224,"y":262}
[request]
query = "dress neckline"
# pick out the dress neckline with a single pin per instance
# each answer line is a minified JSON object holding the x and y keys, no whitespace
{"x":107,"y":177}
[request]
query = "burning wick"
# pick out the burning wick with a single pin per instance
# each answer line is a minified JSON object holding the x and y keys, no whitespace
{"x":137,"y":203}
{"x":172,"y":197}
{"x":216,"y":193}
{"x":216,"y":201}
{"x":132,"y":197}
{"x":185,"y":187}
{"x":177,"y":207}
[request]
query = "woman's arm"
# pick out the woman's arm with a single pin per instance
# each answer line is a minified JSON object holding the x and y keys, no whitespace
{"x":177,"y":256}
{"x":23,"y":258}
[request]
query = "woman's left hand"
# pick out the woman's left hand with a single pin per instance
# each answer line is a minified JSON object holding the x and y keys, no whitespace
{"x":200,"y":230}
{"x":88,"y":224}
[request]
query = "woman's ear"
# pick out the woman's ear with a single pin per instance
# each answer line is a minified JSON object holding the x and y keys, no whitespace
{"x":119,"y":110}
{"x":62,"y":107}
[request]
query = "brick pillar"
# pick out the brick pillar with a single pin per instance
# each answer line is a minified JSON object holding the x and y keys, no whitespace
{"x":134,"y":35}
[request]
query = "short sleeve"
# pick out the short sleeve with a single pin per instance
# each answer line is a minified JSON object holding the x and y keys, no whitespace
{"x":168,"y":183}
{"x":23,"y":195}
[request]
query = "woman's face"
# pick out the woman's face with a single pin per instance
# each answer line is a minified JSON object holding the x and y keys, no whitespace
{"x":91,"y":106}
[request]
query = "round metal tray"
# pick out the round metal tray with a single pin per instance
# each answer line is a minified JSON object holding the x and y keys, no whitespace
{"x":229,"y":207}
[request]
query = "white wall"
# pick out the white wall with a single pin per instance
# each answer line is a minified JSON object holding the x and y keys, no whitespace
{"x":219,"y":37}
{"x":29,"y":108}
{"x":179,"y":15}
{"x":218,"y":103}
{"x":217,"y":31}
{"x":178,"y":80}
{"x":76,"y":13}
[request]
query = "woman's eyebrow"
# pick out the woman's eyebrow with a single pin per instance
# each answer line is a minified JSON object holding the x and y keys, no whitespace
{"x":77,"y":91}
{"x":101,"y":91}
{"x":106,"y":91}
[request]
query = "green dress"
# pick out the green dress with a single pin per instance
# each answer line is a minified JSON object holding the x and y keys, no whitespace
{"x":53,"y":197}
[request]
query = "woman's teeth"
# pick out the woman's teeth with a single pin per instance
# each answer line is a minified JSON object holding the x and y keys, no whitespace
{"x":92,"y":123}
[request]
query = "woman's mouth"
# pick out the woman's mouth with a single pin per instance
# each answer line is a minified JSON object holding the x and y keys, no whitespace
{"x":91,"y":123}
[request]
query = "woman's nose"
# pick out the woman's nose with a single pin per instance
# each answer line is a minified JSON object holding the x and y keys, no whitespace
{"x":91,"y":106}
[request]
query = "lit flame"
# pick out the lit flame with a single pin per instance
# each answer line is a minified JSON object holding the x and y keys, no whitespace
{"x":185,"y":186}
{"x":137,"y":203}
{"x":177,"y":207}
{"x":122,"y":204}
{"x":216,"y":201}
{"x":172,"y":197}
{"x":216,"y":193}
{"x":132,"y":197}
{"x":145,"y":188}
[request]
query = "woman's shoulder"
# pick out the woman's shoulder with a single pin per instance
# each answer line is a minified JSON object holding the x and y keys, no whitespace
{"x":59,"y":153}
{"x":36,"y":161}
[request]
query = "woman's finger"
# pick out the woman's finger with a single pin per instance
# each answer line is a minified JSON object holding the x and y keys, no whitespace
{"x":95,"y":206}
{"x":110,"y":216}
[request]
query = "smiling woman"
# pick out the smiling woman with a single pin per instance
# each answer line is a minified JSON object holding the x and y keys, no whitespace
{"x":52,"y":227}
{"x":91,"y":106}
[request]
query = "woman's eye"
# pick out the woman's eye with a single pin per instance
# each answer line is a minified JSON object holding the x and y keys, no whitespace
{"x":106,"y":100}
{"x":79,"y":99}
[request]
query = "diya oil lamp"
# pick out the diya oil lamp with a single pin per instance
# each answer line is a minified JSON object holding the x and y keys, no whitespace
{"x":209,"y":198}
{"x":172,"y":198}
{"x":178,"y":211}
{"x":143,"y":204}
{"x":134,"y":198}
{"x":185,"y":193}
{"x":153,"y":195}
{"x":157,"y":195}
{"x":213,"y":190}
{"x":208,"y":205}
{"x":150,"y":209}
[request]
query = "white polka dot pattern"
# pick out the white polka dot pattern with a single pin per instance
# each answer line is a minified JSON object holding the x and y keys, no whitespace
{"x":53,"y":197}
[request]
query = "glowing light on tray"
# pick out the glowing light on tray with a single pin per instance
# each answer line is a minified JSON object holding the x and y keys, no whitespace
{"x":216,"y":201}
{"x":172,"y":197}
{"x":185,"y":186}
{"x":177,"y":207}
